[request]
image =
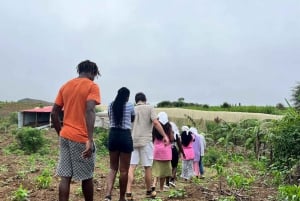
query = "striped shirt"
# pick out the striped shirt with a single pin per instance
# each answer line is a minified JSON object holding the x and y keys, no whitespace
{"x":128,"y":112}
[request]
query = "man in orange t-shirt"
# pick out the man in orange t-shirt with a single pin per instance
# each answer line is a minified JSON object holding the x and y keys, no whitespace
{"x":77,"y":99}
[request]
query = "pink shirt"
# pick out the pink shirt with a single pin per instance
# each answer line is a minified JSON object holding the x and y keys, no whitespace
{"x":189,"y":151}
{"x":162,"y":152}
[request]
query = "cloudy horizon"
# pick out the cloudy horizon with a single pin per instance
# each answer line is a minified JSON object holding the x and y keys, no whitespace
{"x":207,"y":52}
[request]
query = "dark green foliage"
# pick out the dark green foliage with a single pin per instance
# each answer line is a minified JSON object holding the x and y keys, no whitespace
{"x":280,"y":106}
{"x":286,"y":140}
{"x":279,"y":109}
{"x":225,"y":105}
{"x":30,"y":140}
{"x":212,"y":156}
{"x":13,"y":118}
{"x":101,"y":140}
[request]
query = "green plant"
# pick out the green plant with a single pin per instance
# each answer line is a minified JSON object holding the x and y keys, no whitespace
{"x":21,"y":194}
{"x":226,"y":198}
{"x":211,"y":157}
{"x":30,"y":140}
{"x":44,"y":180}
{"x":289,"y":193}
{"x":239,"y":181}
{"x":79,"y":192}
{"x":177,"y":193}
{"x":285,"y":140}
{"x":3,"y":168}
{"x":101,"y":140}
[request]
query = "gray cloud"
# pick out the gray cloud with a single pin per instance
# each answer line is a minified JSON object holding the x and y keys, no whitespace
{"x":205,"y":51}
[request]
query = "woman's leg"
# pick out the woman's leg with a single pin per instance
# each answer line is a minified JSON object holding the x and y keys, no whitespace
{"x":114,"y":164}
{"x":124,"y":167}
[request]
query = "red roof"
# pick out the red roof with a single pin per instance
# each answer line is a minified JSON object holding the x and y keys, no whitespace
{"x":39,"y":109}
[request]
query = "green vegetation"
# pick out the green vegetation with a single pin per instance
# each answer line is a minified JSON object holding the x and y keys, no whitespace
{"x":289,"y":193}
{"x":44,"y":180}
{"x":21,"y":194}
{"x":279,"y":109}
{"x":30,"y":140}
{"x":177,"y":193}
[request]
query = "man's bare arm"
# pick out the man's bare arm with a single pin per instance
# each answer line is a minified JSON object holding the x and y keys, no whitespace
{"x":55,"y":117}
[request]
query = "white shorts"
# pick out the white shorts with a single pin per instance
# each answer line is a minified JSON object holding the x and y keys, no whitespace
{"x":142,"y":155}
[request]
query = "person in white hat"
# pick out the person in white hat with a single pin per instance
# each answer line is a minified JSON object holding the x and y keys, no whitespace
{"x":162,"y":153}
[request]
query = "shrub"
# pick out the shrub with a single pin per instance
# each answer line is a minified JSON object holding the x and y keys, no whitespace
{"x":101,"y":140}
{"x":30,"y":140}
{"x":285,"y":140}
{"x":289,"y":193}
{"x":212,"y":156}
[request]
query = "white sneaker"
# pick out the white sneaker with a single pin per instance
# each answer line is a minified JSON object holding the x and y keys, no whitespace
{"x":166,"y":186}
{"x":172,"y":183}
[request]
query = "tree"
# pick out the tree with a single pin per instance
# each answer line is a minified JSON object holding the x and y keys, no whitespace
{"x":296,"y":96}
{"x":181,"y":99}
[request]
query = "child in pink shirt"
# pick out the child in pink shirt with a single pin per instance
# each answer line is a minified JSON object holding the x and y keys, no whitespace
{"x":187,"y":139}
{"x":162,"y":153}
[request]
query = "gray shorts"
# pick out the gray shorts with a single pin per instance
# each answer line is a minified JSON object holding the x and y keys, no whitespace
{"x":72,"y":164}
{"x":142,"y":155}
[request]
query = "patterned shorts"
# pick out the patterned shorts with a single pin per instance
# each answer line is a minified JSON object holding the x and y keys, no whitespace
{"x":72,"y":164}
{"x":187,"y":171}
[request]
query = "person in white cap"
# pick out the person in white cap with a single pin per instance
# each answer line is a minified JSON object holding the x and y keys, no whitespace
{"x":145,"y":120}
{"x":162,"y":153}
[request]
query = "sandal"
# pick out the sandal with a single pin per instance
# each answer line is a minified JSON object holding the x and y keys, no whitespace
{"x":107,"y":198}
{"x":129,"y":197}
{"x":151,"y":194}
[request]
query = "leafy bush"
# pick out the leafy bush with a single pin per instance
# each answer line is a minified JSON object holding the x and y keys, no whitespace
{"x":13,"y":118}
{"x":212,"y":156}
{"x":286,"y":140}
{"x":289,"y":193}
{"x":101,"y":140}
{"x":30,"y":140}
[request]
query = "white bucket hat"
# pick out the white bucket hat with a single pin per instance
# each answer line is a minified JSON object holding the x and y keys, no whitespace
{"x":163,"y":117}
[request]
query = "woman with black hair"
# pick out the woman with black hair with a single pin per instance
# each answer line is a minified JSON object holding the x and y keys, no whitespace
{"x":121,"y":115}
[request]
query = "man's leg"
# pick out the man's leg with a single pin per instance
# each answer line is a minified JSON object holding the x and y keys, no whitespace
{"x":201,"y":166}
{"x":130,"y":178}
{"x":124,"y":167}
{"x":88,"y":189}
{"x":64,"y":188}
{"x":148,"y":178}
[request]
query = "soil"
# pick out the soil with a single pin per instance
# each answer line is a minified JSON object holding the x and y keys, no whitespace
{"x":18,"y":169}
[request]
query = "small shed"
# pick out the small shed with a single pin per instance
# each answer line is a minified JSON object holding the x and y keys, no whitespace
{"x":36,"y":117}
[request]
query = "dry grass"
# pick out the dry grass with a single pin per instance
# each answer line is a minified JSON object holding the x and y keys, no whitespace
{"x":211,"y":115}
{"x":175,"y":113}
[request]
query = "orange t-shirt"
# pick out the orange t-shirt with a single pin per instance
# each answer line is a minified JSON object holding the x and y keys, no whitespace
{"x":72,"y":96}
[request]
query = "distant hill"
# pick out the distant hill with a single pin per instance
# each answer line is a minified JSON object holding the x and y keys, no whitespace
{"x":6,"y":108}
{"x":34,"y":101}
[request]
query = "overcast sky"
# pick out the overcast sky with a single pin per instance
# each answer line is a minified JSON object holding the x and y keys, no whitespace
{"x":208,"y":52}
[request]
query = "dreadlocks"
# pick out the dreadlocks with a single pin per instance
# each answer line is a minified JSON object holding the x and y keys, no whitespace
{"x":88,"y":67}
